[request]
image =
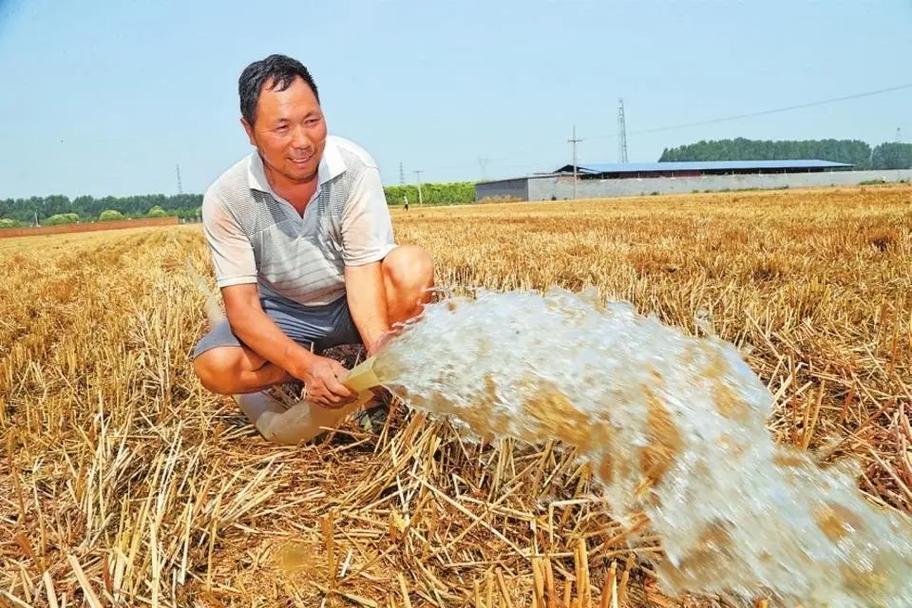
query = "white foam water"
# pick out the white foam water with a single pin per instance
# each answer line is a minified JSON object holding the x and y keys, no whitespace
{"x":675,"y":430}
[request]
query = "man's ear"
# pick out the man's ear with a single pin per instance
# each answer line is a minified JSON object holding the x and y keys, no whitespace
{"x":249,"y":130}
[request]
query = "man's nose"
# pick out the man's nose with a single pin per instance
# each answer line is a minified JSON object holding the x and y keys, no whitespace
{"x":299,"y":138}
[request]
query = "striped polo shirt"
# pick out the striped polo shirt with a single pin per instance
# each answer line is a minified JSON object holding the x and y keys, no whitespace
{"x":258,"y":237}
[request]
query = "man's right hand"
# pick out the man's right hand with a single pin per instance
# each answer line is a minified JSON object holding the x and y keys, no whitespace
{"x":322,"y":378}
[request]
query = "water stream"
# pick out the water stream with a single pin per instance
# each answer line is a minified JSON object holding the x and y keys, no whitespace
{"x":674,"y":428}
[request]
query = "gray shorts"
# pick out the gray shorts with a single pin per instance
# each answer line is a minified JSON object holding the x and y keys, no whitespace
{"x":314,"y":327}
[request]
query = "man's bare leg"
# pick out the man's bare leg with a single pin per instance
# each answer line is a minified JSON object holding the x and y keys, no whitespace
{"x":231,"y":370}
{"x":408,"y":277}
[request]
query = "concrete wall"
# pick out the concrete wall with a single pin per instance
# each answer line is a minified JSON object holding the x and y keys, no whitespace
{"x":513,"y":188}
{"x":544,"y":188}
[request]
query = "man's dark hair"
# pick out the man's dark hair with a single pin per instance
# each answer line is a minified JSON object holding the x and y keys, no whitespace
{"x":278,"y":70}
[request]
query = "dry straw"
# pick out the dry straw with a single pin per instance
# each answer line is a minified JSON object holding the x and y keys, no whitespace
{"x":124,"y":483}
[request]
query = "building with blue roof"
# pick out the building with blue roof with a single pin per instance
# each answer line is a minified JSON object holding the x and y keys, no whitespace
{"x":697,"y":168}
{"x":602,"y":180}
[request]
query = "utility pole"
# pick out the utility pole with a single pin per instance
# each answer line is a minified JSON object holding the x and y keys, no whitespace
{"x":180,"y":187}
{"x":573,"y":140}
{"x":622,"y":132}
{"x":418,"y":173}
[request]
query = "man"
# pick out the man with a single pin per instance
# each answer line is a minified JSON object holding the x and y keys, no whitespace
{"x":303,"y":247}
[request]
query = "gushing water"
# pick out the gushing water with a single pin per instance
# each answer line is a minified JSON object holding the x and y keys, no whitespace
{"x":675,"y":430}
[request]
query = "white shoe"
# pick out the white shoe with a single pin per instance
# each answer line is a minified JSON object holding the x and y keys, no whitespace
{"x":301,"y":421}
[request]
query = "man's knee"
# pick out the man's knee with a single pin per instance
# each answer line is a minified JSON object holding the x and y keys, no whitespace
{"x":218,"y":369}
{"x":409,"y":268}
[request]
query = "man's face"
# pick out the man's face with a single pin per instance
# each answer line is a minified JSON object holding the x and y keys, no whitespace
{"x":289,"y":131}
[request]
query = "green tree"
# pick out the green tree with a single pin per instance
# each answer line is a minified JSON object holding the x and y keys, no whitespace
{"x":452,"y":193}
{"x":62,"y":218}
{"x":25,"y":210}
{"x":851,"y":151}
{"x":6,"y":222}
{"x":156,"y":211}
{"x":88,"y":206}
{"x":892,"y":156}
{"x":56,"y":204}
{"x":109,"y":215}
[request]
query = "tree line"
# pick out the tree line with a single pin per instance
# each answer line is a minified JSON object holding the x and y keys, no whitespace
{"x":452,"y":193}
{"x":59,"y":209}
{"x":852,"y":151}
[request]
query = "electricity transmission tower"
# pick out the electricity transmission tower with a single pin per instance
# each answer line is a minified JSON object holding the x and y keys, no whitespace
{"x":418,"y":173}
{"x":401,"y":174}
{"x":180,"y":186}
{"x":483,"y":165}
{"x":899,"y":135}
{"x":622,"y":132}
{"x":573,"y":140}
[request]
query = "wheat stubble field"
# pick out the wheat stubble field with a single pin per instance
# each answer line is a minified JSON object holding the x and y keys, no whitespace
{"x":123,"y":483}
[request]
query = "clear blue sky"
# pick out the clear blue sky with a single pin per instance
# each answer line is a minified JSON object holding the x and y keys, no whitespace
{"x":107,"y":97}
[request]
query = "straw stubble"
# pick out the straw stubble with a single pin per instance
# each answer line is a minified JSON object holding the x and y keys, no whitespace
{"x":129,"y":481}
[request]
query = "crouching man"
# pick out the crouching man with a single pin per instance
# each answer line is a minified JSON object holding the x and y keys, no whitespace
{"x":302,"y":243}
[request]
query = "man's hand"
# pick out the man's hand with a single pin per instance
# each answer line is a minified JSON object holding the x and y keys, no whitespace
{"x":322,"y":378}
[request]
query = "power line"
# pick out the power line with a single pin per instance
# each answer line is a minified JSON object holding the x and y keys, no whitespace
{"x":799,"y":106}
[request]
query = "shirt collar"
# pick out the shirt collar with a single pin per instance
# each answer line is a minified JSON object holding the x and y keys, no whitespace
{"x":331,"y":166}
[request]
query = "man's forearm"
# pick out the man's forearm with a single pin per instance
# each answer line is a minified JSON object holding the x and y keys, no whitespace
{"x":366,"y":295}
{"x":260,"y":333}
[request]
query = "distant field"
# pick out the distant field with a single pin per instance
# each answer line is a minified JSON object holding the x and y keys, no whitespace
{"x":87,"y":227}
{"x":124,"y":477}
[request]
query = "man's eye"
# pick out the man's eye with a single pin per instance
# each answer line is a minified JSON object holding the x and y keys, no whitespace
{"x":281,"y":129}
{"x":312,"y":122}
